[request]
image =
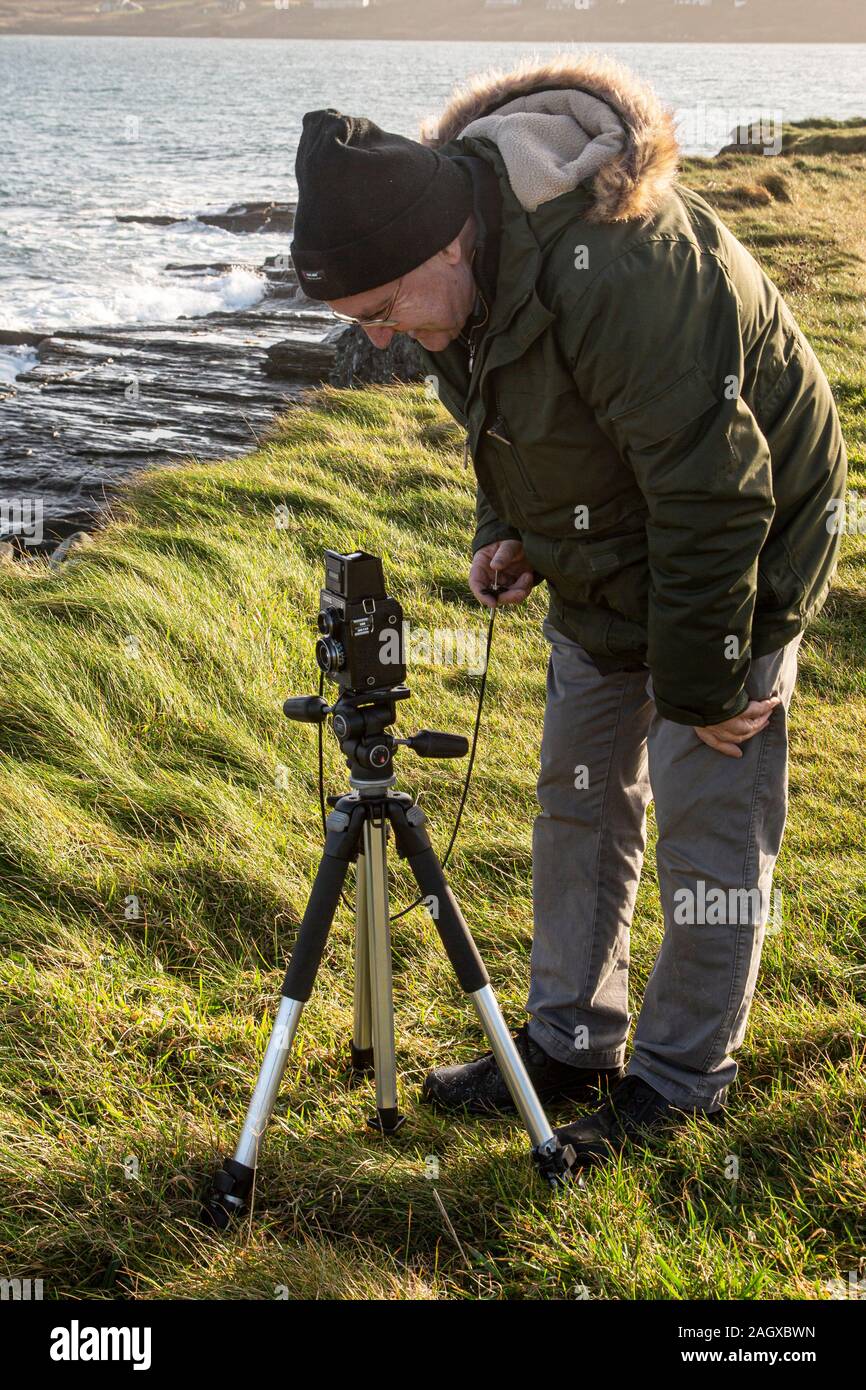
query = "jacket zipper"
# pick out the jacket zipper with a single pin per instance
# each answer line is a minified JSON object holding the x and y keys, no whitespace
{"x":472,"y":348}
{"x":471,"y":361}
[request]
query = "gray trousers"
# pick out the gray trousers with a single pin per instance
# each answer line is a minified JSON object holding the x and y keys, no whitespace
{"x":605,"y":751}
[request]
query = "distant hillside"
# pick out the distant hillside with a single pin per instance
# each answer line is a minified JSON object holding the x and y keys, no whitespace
{"x":554,"y":21}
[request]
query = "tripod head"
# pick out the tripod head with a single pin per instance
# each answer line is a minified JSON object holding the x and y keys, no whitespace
{"x":361,"y":649}
{"x":360,"y":721}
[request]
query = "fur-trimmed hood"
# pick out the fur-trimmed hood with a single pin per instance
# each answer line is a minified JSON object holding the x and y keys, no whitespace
{"x":565,"y":121}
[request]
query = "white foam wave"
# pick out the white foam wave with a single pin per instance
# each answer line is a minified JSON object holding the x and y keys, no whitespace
{"x":147,"y":297}
{"x":14,"y":361}
{"x":155,"y":301}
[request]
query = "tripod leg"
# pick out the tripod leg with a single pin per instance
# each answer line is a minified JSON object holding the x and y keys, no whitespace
{"x":554,"y":1160}
{"x":387,"y":1117}
{"x":234,"y":1180}
{"x":362,"y":1035}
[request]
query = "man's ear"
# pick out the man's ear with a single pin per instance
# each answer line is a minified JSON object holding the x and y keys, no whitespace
{"x":453,"y":252}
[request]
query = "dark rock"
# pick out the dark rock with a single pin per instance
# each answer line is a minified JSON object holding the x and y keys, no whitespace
{"x":309,"y":358}
{"x":281,"y":268}
{"x":253,"y":217}
{"x":13,"y":337}
{"x":240,"y":217}
{"x":749,"y":148}
{"x":209,"y":267}
{"x":78,"y":540}
{"x":357,"y":362}
{"x":282,"y":280}
{"x":161,"y":219}
{"x":345,"y":357}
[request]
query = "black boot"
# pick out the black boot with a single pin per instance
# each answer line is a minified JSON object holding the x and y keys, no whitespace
{"x":634,"y":1112}
{"x":479,"y":1087}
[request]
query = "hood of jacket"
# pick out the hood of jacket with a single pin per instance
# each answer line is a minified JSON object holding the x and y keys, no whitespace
{"x":567,"y":121}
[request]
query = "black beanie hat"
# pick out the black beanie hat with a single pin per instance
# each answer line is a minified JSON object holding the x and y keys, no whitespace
{"x":371,"y":205}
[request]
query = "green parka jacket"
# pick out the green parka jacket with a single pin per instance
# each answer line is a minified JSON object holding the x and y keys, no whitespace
{"x":644,"y":413}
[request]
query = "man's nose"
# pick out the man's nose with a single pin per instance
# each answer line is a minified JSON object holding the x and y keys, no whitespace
{"x":379,"y":337}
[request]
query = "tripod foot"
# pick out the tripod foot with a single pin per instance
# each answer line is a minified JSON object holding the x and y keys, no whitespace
{"x":386,"y":1121}
{"x":228,"y":1195}
{"x":556,"y":1162}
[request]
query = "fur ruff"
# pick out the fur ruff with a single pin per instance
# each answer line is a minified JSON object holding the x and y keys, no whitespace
{"x":633,"y":183}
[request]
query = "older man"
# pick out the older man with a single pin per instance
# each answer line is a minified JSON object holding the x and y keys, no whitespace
{"x":654,"y":437}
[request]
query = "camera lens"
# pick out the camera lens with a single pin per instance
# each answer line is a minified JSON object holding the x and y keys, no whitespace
{"x":330,"y":655}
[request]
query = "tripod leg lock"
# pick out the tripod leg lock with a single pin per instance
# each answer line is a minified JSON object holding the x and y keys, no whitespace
{"x":362,"y":1060}
{"x":231,"y":1187}
{"x":556,"y":1162}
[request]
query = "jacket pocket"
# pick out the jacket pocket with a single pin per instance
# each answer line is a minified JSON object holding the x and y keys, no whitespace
{"x":612,"y":573}
{"x":516,"y":464}
{"x":780,"y":587}
{"x":642,"y":426}
{"x":595,"y":561}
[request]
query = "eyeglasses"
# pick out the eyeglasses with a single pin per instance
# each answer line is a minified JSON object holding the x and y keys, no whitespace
{"x":385,"y":322}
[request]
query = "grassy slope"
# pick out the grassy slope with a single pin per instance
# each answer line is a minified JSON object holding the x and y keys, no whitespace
{"x":156,"y":775}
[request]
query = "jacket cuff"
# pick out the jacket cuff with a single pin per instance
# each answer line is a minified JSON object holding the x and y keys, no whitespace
{"x":493,"y":531}
{"x":700,"y":718}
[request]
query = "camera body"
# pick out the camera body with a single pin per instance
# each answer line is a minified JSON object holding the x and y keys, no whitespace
{"x":361,"y":642}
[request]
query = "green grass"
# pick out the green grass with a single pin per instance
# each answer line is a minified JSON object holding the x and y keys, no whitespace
{"x":150,"y":769}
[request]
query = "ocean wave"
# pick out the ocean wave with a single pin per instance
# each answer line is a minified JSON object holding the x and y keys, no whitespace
{"x":14,"y":361}
{"x":144,"y":298}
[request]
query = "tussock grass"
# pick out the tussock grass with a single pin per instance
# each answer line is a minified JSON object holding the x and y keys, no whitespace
{"x":153,"y":873}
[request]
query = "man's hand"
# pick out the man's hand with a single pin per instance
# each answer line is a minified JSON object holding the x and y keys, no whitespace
{"x":514,"y":573}
{"x":725,"y":737}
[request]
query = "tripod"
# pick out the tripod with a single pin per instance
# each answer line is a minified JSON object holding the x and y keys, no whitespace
{"x":357,"y":830}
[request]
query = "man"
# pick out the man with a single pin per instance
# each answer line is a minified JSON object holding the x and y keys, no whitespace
{"x":653,"y":436}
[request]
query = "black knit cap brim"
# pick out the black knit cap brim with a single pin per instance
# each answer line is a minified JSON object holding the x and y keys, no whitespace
{"x":371,"y":205}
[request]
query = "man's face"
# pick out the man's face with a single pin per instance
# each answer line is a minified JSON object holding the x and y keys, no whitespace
{"x":433,"y":301}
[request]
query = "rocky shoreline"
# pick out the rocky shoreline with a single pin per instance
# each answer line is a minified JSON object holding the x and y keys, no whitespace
{"x":101,"y":403}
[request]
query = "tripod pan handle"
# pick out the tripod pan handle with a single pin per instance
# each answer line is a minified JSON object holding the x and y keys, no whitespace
{"x":430,"y":743}
{"x":306,"y":709}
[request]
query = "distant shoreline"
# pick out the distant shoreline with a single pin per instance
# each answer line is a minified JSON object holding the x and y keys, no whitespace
{"x":606,"y":22}
{"x":74,"y":33}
